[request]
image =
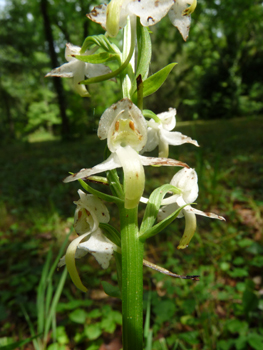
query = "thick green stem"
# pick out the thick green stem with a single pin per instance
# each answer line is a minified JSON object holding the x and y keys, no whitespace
{"x":132,"y":280}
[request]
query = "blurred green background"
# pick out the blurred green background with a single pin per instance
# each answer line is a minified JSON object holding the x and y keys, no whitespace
{"x":47,"y":131}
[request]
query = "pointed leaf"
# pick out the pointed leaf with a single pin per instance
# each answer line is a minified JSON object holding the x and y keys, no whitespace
{"x":155,"y":81}
{"x":144,"y":51}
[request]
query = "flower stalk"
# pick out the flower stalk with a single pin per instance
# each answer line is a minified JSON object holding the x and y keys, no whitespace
{"x":132,"y":280}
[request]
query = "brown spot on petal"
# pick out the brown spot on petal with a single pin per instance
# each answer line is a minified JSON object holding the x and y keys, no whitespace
{"x":150,"y":19}
{"x":79,"y":214}
{"x":94,"y":12}
{"x":131,"y":125}
{"x":87,"y":212}
{"x":117,"y":125}
{"x":156,"y":3}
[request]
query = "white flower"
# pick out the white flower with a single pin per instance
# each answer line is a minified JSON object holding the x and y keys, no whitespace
{"x":78,"y":70}
{"x":186,"y":181}
{"x":113,"y":16}
{"x":89,"y":213}
{"x":159,"y":134}
{"x":126,"y":131}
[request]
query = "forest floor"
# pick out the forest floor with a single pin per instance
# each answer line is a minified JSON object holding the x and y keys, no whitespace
{"x":223,"y":311}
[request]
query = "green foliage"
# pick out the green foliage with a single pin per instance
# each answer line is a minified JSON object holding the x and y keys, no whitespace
{"x":155,"y":81}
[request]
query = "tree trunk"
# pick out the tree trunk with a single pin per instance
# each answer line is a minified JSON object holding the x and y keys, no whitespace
{"x":65,"y":130}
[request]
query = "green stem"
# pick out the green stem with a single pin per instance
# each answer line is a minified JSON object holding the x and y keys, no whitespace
{"x":132,"y":280}
{"x":129,"y":41}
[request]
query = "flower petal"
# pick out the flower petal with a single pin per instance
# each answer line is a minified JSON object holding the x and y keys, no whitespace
{"x":152,"y":140}
{"x":100,"y":247}
{"x":162,"y":161}
{"x":167,"y":210}
{"x":202,"y":213}
{"x":168,"y":119}
{"x":186,"y":181}
{"x":64,"y":71}
{"x":110,"y":163}
{"x":95,"y":70}
{"x":178,"y":19}
{"x":149,"y":11}
{"x":176,"y":138}
{"x":70,"y":51}
{"x":98,"y":15}
{"x":134,"y":177}
{"x":89,"y":213}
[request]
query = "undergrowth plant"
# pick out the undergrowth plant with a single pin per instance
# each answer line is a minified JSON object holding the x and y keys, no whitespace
{"x":131,"y":131}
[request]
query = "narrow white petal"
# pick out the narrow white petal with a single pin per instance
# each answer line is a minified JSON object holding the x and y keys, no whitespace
{"x":176,"y":138}
{"x":111,"y":163}
{"x":162,"y":161}
{"x":64,"y":71}
{"x":202,"y":213}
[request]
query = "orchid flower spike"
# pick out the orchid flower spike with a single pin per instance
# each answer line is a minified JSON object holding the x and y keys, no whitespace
{"x":113,"y":16}
{"x":159,"y":134}
{"x":125,"y":129}
{"x":77,"y":70}
{"x":89,"y":213}
{"x":186,"y":181}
